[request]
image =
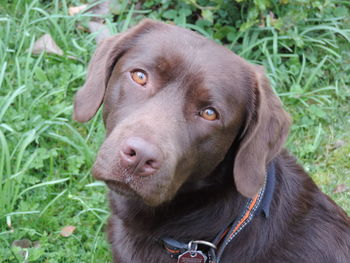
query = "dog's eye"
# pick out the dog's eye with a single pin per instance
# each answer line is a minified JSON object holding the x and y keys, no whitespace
{"x":209,"y":114}
{"x":139,"y":77}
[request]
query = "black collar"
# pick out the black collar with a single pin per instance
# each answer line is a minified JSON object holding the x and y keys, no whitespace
{"x":269,"y":189}
{"x":259,"y":204}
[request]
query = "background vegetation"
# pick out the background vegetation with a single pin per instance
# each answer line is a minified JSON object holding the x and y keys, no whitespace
{"x":45,"y":157}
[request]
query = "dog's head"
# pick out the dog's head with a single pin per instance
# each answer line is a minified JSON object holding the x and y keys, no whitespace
{"x":174,"y":102}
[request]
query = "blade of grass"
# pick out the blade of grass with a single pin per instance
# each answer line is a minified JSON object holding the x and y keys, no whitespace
{"x":128,"y":18}
{"x":313,"y":75}
{"x":9,"y":100}
{"x":44,"y":184}
{"x":2,"y":73}
{"x":52,"y":202}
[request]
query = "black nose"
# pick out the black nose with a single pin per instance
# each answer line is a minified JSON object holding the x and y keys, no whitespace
{"x":141,"y":156}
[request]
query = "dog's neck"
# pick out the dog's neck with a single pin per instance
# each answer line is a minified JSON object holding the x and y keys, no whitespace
{"x":212,"y":203}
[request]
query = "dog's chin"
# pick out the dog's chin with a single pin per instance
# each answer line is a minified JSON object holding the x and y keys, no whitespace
{"x":127,"y":192}
{"x":122,"y":189}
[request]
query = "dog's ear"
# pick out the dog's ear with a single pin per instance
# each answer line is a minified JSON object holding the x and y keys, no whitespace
{"x":90,"y":97}
{"x":263,"y":137}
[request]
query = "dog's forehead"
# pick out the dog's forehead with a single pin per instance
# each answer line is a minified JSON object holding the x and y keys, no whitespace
{"x":179,"y":47}
{"x":177,"y":52}
{"x":204,"y":70}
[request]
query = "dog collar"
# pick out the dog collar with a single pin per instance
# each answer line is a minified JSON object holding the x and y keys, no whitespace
{"x":212,"y":251}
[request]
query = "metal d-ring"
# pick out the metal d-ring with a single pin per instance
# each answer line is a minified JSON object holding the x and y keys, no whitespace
{"x":200,"y":242}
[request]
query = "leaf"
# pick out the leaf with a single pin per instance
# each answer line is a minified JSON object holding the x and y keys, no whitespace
{"x":317,"y":111}
{"x":339,"y":144}
{"x":67,"y":231}
{"x":73,"y":10}
{"x":40,"y":74}
{"x":340,"y":188}
{"x":185,"y":12}
{"x":99,"y":10}
{"x":170,"y":14}
{"x":340,"y":11}
{"x":207,"y":15}
{"x":245,"y":26}
{"x":101,"y":29}
{"x":22,"y":243}
{"x":102,"y":8}
{"x":46,"y":44}
{"x":42,"y":155}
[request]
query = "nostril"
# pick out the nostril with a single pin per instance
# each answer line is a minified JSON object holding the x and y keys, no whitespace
{"x":152,"y":164}
{"x":128,"y":151}
{"x":131,"y":152}
{"x":140,"y":155}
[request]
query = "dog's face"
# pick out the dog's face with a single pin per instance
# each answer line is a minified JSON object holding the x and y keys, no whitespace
{"x":174,"y":102}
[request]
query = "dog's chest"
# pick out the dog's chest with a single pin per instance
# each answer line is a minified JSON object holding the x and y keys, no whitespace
{"x":129,"y":246}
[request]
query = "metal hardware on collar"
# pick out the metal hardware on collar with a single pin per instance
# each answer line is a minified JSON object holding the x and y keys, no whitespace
{"x":195,"y":256}
{"x":181,"y":250}
{"x":200,"y":242}
{"x":259,"y":203}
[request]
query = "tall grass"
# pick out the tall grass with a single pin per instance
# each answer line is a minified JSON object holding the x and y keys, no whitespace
{"x":44,"y":157}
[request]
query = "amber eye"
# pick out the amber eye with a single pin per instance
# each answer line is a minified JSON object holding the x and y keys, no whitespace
{"x":139,"y":77}
{"x":209,"y":114}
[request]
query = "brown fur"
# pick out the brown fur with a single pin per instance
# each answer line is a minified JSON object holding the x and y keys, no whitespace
{"x":208,"y":168}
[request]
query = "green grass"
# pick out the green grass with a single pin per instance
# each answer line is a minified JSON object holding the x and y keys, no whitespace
{"x":45,"y":157}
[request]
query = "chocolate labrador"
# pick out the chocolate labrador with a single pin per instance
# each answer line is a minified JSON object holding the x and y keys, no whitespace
{"x":193,"y":157}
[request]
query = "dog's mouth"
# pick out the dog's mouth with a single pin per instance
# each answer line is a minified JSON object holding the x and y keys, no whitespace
{"x":121,"y":188}
{"x":151,"y":189}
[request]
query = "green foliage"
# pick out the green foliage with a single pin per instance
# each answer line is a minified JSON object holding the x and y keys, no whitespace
{"x":45,"y":158}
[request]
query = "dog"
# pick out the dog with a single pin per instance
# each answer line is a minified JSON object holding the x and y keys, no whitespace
{"x":194,"y":157}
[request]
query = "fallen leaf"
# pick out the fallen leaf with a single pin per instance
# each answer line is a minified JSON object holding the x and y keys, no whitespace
{"x":67,"y":231}
{"x":101,"y":29}
{"x":46,"y":44}
{"x":101,"y":8}
{"x":73,"y":10}
{"x":22,"y":243}
{"x":339,"y":144}
{"x":36,"y":244}
{"x":340,"y":188}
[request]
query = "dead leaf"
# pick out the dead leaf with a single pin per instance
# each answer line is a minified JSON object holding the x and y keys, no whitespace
{"x":339,"y":144}
{"x":67,"y":231}
{"x":36,"y":244}
{"x":101,"y":8}
{"x":103,"y":31}
{"x":46,"y":44}
{"x":73,"y":10}
{"x":22,"y":243}
{"x":340,"y":188}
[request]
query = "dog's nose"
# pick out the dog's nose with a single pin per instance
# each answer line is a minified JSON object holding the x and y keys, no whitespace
{"x":141,"y":156}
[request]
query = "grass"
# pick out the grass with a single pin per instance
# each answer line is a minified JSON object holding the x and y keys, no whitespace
{"x":45,"y":157}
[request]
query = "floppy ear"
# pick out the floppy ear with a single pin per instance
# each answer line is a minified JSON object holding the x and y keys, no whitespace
{"x":90,"y":97}
{"x":265,"y":132}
